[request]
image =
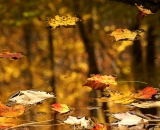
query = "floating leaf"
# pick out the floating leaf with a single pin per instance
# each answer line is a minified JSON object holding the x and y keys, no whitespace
{"x":65,"y":21}
{"x":124,"y":34}
{"x":146,"y":93}
{"x":99,"y":82}
{"x":14,"y":56}
{"x":30,"y":97}
{"x":61,"y":108}
{"x":147,"y":104}
{"x":14,"y":111}
{"x":82,"y":122}
{"x":128,"y":119}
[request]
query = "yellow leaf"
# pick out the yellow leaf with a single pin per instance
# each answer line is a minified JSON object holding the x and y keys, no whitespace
{"x":65,"y":21}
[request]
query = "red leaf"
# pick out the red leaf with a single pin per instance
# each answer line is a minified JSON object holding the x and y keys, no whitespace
{"x":146,"y":93}
{"x":8,"y":55}
{"x":61,"y":108}
{"x":99,"y":82}
{"x":100,"y":127}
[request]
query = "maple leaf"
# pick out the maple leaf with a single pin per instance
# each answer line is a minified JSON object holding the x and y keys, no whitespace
{"x":99,"y":82}
{"x":146,"y":93}
{"x":83,"y":122}
{"x":30,"y":97}
{"x":8,"y":55}
{"x":142,"y":12}
{"x":61,"y":108}
{"x":128,"y":119}
{"x":124,"y":34}
{"x":6,"y":122}
{"x":65,"y":21}
{"x":14,"y":111}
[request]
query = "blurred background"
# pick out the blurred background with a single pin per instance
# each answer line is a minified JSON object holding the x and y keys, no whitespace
{"x":60,"y":60}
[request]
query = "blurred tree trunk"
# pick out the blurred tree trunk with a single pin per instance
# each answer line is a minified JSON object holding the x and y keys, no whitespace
{"x":143,"y":67}
{"x":27,"y":29}
{"x":51,"y":57}
{"x":27,"y":39}
{"x":52,"y":80}
{"x":86,"y":34}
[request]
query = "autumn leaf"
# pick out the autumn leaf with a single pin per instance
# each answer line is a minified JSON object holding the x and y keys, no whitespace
{"x":14,"y":111}
{"x":6,"y":122}
{"x":30,"y":97}
{"x":100,"y":127}
{"x":142,"y":12}
{"x":14,"y":56}
{"x":99,"y":82}
{"x":81,"y":122}
{"x":124,"y":34}
{"x":146,"y":104}
{"x":146,"y":93}
{"x":128,"y":119}
{"x":65,"y":21}
{"x":61,"y":108}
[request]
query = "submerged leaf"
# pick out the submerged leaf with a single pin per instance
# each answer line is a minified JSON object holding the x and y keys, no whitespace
{"x":61,"y":108}
{"x":65,"y":21}
{"x":99,"y":82}
{"x":30,"y":97}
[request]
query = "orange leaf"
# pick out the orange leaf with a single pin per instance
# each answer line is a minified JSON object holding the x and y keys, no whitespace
{"x":142,"y":12}
{"x":124,"y":34}
{"x":99,"y":82}
{"x":14,"y":111}
{"x":146,"y":93}
{"x":61,"y":108}
{"x":100,"y":127}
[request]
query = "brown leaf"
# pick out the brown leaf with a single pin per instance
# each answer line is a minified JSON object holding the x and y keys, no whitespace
{"x":146,"y":93}
{"x":65,"y":21}
{"x":124,"y":34}
{"x":99,"y":82}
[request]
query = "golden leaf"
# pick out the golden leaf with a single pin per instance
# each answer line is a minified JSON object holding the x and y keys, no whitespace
{"x":65,"y":21}
{"x":124,"y":34}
